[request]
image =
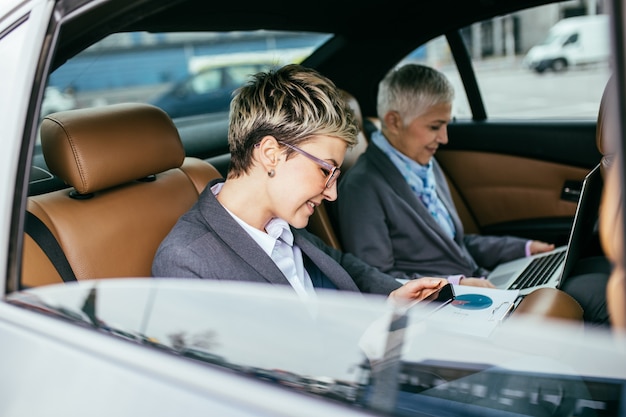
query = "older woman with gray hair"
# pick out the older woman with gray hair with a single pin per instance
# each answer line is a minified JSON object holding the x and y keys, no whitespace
{"x":407,"y":222}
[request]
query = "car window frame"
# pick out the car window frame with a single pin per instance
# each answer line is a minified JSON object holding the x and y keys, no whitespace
{"x":463,"y":61}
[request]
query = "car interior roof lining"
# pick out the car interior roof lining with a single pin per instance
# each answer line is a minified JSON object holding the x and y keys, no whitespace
{"x":183,"y":15}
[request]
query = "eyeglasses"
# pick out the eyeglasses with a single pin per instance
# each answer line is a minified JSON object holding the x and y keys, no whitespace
{"x":332,"y":171}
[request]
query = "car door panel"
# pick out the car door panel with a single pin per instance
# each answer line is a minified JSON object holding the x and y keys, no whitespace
{"x":518,"y":178}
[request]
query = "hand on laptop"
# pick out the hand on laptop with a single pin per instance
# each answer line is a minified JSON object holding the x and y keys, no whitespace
{"x":476,"y":282}
{"x":537,"y":246}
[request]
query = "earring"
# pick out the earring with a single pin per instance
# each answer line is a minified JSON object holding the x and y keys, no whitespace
{"x":271,"y":173}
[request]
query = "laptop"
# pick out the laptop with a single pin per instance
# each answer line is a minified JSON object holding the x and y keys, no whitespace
{"x":551,"y":269}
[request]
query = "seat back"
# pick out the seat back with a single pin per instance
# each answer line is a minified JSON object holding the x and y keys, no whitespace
{"x":130,"y":182}
{"x":611,"y":237}
{"x":611,"y":220}
{"x":321,"y":222}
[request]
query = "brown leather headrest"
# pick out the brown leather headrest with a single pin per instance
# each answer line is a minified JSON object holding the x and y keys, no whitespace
{"x":97,"y":148}
{"x":354,"y":105}
{"x":353,"y":153}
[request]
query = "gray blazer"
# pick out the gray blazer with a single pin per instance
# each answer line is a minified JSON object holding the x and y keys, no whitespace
{"x":382,"y":221}
{"x":207,"y":242}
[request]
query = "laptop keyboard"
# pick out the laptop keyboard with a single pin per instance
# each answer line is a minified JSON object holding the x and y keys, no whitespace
{"x":539,"y":271}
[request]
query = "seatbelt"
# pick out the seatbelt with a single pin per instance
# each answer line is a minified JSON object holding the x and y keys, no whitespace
{"x":40,"y":233}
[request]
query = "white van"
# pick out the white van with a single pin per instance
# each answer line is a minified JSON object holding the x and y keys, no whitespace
{"x":573,"y":41}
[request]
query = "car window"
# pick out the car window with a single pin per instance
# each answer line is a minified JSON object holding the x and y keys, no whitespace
{"x":554,"y":68}
{"x":573,"y":38}
{"x":351,"y":349}
{"x":171,"y":69}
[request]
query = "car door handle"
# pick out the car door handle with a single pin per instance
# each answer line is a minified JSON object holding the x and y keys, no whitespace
{"x":571,"y":190}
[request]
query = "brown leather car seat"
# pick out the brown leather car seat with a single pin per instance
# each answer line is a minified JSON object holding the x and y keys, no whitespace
{"x":130,"y":181}
{"x":320,"y":222}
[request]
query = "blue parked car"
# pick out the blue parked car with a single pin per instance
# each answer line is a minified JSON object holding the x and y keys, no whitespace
{"x":207,"y":91}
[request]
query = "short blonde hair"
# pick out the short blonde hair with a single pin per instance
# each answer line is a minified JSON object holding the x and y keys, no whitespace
{"x":292,"y":103}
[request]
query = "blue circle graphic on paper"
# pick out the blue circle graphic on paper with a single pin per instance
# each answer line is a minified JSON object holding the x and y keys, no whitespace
{"x":472,"y":301}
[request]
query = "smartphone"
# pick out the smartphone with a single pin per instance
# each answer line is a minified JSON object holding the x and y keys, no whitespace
{"x":445,"y":294}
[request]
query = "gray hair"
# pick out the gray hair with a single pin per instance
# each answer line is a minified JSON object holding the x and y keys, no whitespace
{"x":411,"y":90}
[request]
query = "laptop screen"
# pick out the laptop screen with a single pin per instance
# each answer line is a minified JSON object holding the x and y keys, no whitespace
{"x":585,"y":221}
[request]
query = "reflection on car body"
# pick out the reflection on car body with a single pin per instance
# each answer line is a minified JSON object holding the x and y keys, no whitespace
{"x":520,"y":369}
{"x":202,"y":355}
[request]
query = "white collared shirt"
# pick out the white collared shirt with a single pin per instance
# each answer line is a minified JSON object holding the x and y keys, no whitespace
{"x":278,"y":244}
